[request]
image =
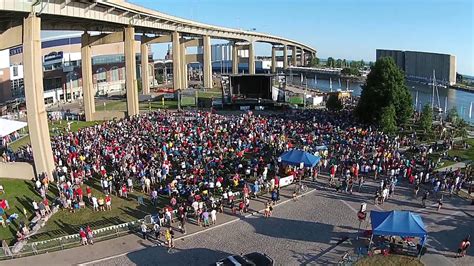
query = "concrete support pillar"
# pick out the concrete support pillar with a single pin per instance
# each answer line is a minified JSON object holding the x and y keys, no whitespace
{"x":176,"y":61}
{"x":36,"y":111}
{"x":184,"y":66}
{"x":87,"y":84}
{"x":285,"y":57}
{"x":207,"y":63}
{"x":131,"y":71}
{"x":144,"y":67}
{"x":293,"y":57}
{"x":235,"y":59}
{"x":251,"y":59}
{"x":274,"y":61}
{"x":303,"y":59}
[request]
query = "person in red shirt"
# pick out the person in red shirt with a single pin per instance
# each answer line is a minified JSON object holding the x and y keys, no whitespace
{"x":83,"y":236}
{"x":79,"y":193}
{"x":90,"y":235}
{"x":333,"y":172}
{"x":46,"y":205}
{"x":108,"y":202}
{"x":89,"y":193}
{"x":124,"y":191}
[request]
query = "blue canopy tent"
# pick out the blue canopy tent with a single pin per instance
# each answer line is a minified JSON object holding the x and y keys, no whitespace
{"x":296,"y":157}
{"x":400,"y":223}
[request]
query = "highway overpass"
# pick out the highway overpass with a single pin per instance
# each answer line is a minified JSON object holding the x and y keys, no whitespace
{"x":21,"y":22}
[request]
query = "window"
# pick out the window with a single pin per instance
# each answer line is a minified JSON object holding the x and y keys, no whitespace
{"x":52,"y":84}
{"x":17,"y":87}
{"x":72,"y":79}
{"x":101,"y":74}
{"x":114,"y":74}
{"x":15,"y":71}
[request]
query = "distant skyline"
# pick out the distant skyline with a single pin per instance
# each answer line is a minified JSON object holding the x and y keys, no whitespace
{"x":342,"y":28}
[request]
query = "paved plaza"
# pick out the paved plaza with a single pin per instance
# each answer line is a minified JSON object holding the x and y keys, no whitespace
{"x":309,"y":230}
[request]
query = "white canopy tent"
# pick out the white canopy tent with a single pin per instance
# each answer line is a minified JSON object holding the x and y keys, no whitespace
{"x":9,"y":126}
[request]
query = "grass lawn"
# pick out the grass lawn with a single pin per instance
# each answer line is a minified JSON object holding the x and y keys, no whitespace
{"x":123,"y":210}
{"x":20,"y":194}
{"x":55,"y":128}
{"x":20,"y":142}
{"x":389,"y":260}
{"x":464,"y":154}
{"x":122,"y":105}
{"x":210,"y":93}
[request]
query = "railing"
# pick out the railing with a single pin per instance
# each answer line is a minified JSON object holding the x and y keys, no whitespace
{"x":70,"y":241}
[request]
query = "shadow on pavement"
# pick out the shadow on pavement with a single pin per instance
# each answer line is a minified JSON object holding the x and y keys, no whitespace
{"x":160,"y":256}
{"x":307,"y":231}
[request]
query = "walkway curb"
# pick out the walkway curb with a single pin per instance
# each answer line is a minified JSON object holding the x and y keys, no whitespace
{"x":202,"y":231}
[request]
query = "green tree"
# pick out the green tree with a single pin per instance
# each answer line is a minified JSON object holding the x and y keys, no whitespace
{"x":385,"y":86}
{"x":159,"y":78}
{"x":338,"y":63}
{"x":361,"y":63}
{"x":453,"y":115}
{"x":426,"y":119}
{"x":350,"y":71}
{"x":344,"y":63}
{"x":330,"y":62}
{"x":333,"y":103}
{"x":314,"y":62}
{"x":460,"y":128}
{"x":388,"y":122}
{"x":354,"y":64}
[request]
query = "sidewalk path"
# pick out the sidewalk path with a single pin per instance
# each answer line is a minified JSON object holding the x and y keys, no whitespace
{"x":454,"y":167}
{"x":131,"y":243}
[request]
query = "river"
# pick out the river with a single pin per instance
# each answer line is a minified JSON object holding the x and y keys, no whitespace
{"x":461,"y":100}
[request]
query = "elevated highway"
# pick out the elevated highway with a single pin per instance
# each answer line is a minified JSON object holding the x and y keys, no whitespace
{"x":21,"y":22}
{"x":114,"y":15}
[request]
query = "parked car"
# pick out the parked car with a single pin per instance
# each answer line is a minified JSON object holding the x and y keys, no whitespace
{"x":251,"y":259}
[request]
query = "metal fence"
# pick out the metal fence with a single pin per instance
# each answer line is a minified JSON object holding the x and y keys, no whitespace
{"x":69,"y":241}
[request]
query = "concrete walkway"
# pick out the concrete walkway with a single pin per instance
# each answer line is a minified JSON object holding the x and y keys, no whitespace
{"x":453,"y":167}
{"x":130,"y":243}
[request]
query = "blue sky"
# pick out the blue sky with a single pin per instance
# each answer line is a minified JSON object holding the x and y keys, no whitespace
{"x":350,"y":29}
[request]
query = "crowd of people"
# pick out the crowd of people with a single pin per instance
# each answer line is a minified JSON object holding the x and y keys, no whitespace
{"x":200,"y":161}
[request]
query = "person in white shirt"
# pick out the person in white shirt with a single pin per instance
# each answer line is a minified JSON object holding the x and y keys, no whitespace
{"x":130,"y":184}
{"x":213,"y":216}
{"x":38,"y":184}
{"x":147,"y":185}
{"x":384,"y":194}
{"x":144,"y":230}
{"x":35,"y":205}
{"x":95,"y":205}
{"x":195,"y":206}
